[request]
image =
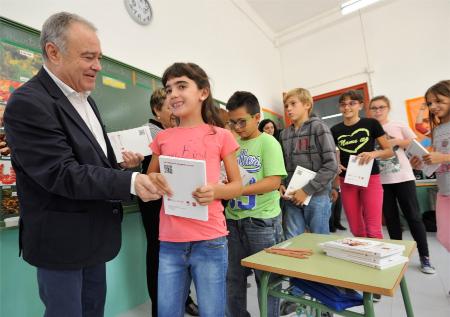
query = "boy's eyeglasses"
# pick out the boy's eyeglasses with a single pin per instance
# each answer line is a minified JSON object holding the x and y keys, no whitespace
{"x":375,"y":109}
{"x":350,"y":103}
{"x":240,"y":123}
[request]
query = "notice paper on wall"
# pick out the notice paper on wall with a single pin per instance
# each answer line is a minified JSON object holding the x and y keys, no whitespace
{"x":183,"y":176}
{"x":357,"y":174}
{"x":135,"y":140}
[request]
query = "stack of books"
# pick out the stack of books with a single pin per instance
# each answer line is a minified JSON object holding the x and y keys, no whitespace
{"x":373,"y":253}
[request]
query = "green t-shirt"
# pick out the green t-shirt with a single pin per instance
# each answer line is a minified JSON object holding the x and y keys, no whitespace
{"x":261,"y":157}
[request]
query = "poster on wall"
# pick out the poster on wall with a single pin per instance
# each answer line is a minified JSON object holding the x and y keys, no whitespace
{"x":275,"y":117}
{"x":17,"y":65}
{"x":418,"y":118}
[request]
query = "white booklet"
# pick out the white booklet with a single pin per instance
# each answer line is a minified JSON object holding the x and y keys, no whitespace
{"x":183,"y":176}
{"x":357,"y":174}
{"x":417,"y":149}
{"x":300,"y":178}
{"x":136,"y":140}
{"x":364,"y":256}
{"x":246,"y":177}
{"x":373,"y":248}
{"x":387,"y":263}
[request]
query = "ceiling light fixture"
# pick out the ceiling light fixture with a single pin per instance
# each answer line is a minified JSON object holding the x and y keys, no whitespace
{"x":354,"y":5}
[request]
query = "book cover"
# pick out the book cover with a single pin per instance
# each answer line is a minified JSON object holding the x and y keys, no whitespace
{"x":364,"y":257}
{"x":299,"y":179}
{"x":357,"y":174}
{"x":135,"y":140}
{"x":417,"y":149}
{"x":183,"y":176}
{"x":367,"y":247}
{"x":390,"y":263}
{"x":246,"y":177}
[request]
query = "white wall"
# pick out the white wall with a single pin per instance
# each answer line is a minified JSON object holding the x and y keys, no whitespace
{"x":213,"y":33}
{"x":408,"y":50}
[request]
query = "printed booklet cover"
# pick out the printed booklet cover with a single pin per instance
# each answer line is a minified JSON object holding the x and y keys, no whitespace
{"x":364,"y":246}
{"x":300,"y":178}
{"x":387,"y":263}
{"x":357,"y":174}
{"x":183,"y":176}
{"x":135,"y":140}
{"x":417,"y":149}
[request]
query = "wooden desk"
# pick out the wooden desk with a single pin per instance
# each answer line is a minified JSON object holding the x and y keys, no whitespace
{"x":324,"y":269}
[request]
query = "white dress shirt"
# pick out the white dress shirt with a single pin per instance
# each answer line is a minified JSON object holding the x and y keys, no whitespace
{"x":80,"y":103}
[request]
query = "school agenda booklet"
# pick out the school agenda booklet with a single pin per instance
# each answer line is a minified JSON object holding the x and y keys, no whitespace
{"x":183,"y":176}
{"x":377,"y":254}
{"x":136,"y":140}
{"x":300,"y":178}
{"x":357,"y":174}
{"x":246,"y":177}
{"x":417,"y":149}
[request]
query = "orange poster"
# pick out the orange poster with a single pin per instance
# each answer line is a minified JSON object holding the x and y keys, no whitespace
{"x":418,"y":118}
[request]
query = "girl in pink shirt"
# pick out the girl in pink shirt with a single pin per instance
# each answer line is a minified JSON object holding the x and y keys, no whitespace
{"x":194,"y":249}
{"x":398,"y":180}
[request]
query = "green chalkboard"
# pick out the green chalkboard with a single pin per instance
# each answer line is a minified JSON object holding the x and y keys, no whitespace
{"x":122,"y":92}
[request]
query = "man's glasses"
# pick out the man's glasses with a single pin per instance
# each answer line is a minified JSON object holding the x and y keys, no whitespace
{"x":240,"y":123}
{"x":351,"y":103}
{"x":375,"y":109}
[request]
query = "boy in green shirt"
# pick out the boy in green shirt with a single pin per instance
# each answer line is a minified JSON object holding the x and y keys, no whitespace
{"x":253,"y":219}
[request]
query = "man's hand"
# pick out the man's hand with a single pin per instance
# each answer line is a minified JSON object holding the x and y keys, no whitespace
{"x":204,"y":195}
{"x":145,"y":188}
{"x":341,"y":168}
{"x":131,"y":159}
{"x":160,"y":183}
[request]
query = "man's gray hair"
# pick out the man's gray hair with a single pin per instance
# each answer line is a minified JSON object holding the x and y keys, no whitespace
{"x":55,"y":28}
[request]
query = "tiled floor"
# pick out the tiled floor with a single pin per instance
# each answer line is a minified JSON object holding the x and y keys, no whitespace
{"x":428,"y":293}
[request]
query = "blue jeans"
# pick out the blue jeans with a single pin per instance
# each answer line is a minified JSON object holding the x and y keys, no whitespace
{"x":249,"y":236}
{"x":315,"y":216}
{"x":73,"y":293}
{"x":203,"y":261}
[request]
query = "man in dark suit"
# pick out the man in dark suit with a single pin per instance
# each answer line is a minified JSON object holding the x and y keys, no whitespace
{"x":69,"y":184}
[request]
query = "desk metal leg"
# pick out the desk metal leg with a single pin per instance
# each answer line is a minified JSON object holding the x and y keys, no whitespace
{"x":368,"y":305}
{"x":406,"y":300}
{"x":263,"y":293}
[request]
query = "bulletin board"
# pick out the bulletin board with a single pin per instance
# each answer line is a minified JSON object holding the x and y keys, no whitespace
{"x":413,"y":109}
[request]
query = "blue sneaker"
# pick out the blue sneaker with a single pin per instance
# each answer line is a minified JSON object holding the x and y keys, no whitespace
{"x":425,"y":265}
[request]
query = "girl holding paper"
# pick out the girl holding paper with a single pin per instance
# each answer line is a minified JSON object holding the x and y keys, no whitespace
{"x":191,"y":248}
{"x":399,"y":184}
{"x":437,"y":99}
{"x":357,"y":136}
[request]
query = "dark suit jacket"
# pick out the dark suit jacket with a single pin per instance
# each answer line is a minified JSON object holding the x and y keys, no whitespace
{"x":69,"y":192}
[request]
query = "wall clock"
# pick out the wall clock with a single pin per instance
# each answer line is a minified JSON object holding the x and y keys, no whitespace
{"x":139,"y":10}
